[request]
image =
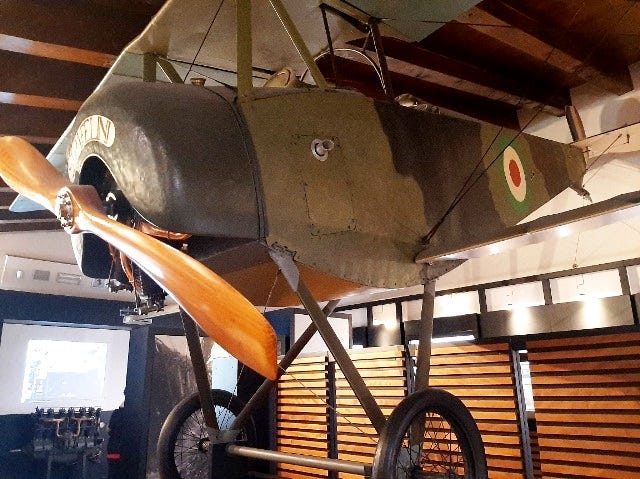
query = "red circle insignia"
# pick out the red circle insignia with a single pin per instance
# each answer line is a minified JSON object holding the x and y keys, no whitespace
{"x":514,"y":172}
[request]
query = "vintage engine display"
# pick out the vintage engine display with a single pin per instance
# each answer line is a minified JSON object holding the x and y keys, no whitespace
{"x":66,"y":431}
{"x":65,"y":436}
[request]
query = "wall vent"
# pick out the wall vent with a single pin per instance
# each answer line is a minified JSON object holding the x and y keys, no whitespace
{"x":41,"y":275}
{"x":66,"y":278}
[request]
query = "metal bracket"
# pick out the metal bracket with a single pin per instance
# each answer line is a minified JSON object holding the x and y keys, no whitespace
{"x":151,"y":61}
{"x":224,"y":436}
{"x":283,"y":257}
{"x":438,"y":268}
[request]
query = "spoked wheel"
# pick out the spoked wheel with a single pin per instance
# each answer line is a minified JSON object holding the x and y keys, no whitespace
{"x":430,"y":435}
{"x":183,"y":444}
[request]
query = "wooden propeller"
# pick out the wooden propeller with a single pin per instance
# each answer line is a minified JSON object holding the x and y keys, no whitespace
{"x":221,"y":311}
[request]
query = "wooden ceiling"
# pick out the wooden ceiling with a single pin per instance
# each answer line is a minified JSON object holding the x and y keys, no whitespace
{"x":496,"y":59}
{"x":505,"y":55}
{"x":52,"y":56}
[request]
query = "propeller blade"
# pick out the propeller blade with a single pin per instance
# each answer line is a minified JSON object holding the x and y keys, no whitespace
{"x":25,"y":170}
{"x":221,"y":311}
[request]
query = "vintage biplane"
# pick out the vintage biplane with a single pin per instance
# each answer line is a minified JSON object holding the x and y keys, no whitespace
{"x":279,"y":190}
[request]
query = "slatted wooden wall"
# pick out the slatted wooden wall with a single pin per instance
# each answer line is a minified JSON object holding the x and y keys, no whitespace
{"x":587,"y":399}
{"x":481,"y":376}
{"x":301,"y":411}
{"x":383,"y":370}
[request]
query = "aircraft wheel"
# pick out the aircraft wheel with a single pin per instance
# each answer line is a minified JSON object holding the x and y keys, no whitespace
{"x":184,"y":442}
{"x":430,"y":435}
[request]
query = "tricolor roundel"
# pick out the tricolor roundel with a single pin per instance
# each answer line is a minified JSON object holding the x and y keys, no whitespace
{"x":514,"y":174}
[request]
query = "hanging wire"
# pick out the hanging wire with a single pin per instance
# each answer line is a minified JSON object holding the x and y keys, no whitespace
{"x":327,"y":32}
{"x":204,"y":39}
{"x":594,"y":162}
{"x":371,"y":437}
{"x":226,"y":414}
{"x":307,"y":388}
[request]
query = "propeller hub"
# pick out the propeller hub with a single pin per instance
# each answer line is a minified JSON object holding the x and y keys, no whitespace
{"x":64,"y":209}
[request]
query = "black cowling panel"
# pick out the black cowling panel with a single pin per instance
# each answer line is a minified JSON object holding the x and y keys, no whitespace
{"x":181,"y":156}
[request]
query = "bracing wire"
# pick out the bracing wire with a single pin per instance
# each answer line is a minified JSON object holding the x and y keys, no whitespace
{"x":370,"y":437}
{"x":204,"y":39}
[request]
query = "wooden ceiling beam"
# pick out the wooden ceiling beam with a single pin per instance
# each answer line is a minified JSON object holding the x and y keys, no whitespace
{"x":361,"y":76}
{"x":39,"y":101}
{"x":55,"y":52}
{"x":84,"y":25}
{"x":37,"y":141}
{"x":28,"y":121}
{"x":30,"y":75}
{"x":42,"y":148}
{"x":28,"y":221}
{"x":537,"y":92}
{"x":590,"y":63}
{"x":461,"y":41}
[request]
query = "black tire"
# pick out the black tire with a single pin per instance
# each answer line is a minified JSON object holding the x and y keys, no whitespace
{"x":440,"y":419}
{"x":184,"y":441}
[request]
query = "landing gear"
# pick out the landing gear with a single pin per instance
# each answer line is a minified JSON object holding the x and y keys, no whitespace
{"x":183,"y":445}
{"x":430,"y":435}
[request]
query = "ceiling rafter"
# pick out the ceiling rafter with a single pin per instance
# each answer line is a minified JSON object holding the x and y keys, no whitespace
{"x":31,"y":75}
{"x":39,"y":101}
{"x":604,"y":70}
{"x":47,"y":141}
{"x":55,"y":52}
{"x":53,"y":55}
{"x":537,"y":94}
{"x":11,"y":222}
{"x":7,"y":195}
{"x":83,"y":25}
{"x":460,"y":41}
{"x":31,"y":121}
{"x":6,"y":215}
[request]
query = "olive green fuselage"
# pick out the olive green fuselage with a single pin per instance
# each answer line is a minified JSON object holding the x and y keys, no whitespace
{"x":199,"y":161}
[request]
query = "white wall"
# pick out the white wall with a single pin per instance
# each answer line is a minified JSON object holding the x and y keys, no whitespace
{"x":341,"y":326}
{"x":46,"y":245}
